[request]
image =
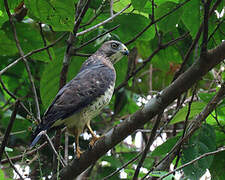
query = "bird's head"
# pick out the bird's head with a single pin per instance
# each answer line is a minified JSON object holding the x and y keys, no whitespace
{"x":114,"y":50}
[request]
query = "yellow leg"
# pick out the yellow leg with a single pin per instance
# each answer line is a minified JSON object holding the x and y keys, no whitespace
{"x":78,"y":151}
{"x":94,"y":137}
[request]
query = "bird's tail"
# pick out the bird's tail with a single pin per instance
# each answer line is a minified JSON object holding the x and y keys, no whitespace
{"x":36,"y":139}
{"x":40,"y":130}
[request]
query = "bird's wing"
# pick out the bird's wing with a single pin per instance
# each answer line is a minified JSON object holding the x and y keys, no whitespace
{"x":80,"y":92}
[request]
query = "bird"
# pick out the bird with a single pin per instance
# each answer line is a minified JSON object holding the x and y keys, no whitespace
{"x":83,"y":98}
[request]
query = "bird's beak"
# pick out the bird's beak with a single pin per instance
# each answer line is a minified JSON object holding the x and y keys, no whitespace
{"x":125,"y":51}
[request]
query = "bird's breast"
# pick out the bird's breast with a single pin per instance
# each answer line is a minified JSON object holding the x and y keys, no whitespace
{"x":99,"y":103}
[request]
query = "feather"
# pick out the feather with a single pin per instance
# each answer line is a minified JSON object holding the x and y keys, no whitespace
{"x":36,"y":139}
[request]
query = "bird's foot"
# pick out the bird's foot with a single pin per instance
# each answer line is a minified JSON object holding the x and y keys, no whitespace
{"x":78,"y":153}
{"x":93,"y":140}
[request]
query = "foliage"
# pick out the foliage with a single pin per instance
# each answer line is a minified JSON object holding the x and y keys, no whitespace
{"x":45,"y":21}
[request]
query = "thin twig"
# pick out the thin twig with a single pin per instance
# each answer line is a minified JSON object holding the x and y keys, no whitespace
{"x":92,"y":40}
{"x":193,"y":161}
{"x":159,"y":48}
{"x":194,"y":125}
{"x":31,"y":53}
{"x":103,"y":22}
{"x":149,"y":143}
{"x":66,"y":150}
{"x":111,"y":8}
{"x":55,"y":152}
{"x":217,"y":121}
{"x":14,"y":97}
{"x":8,"y":130}
{"x":194,"y":43}
{"x":44,"y":40}
{"x":97,"y":13}
{"x":12,"y":165}
{"x":153,"y":22}
{"x":18,"y":157}
{"x":205,"y":27}
{"x":24,"y":59}
{"x":125,"y":165}
{"x":217,"y":27}
{"x":185,"y":124}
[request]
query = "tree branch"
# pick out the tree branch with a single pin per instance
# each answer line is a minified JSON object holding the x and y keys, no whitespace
{"x":24,"y":59}
{"x":155,"y":21}
{"x":12,"y":165}
{"x":8,"y":130}
{"x":195,"y":124}
{"x":31,"y":53}
{"x":103,"y":22}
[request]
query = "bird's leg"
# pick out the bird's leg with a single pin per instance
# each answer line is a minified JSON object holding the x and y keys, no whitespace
{"x":78,"y":151}
{"x":94,"y":137}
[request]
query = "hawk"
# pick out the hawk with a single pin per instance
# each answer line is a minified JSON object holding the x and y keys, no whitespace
{"x":83,"y":98}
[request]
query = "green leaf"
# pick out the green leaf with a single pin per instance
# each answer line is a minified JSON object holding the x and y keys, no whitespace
{"x":95,"y":4}
{"x":30,"y":40}
{"x":3,"y":18}
{"x":164,"y":148}
{"x":201,"y":142}
{"x":8,"y":47}
{"x":58,"y":14}
{"x":165,"y":57}
{"x":114,"y":162}
{"x":206,"y":97}
{"x":159,"y":2}
{"x":169,"y":22}
{"x":196,"y":107}
{"x":12,"y":4}
{"x":216,"y":30}
{"x":20,"y":124}
{"x":137,"y":4}
{"x":191,"y":16}
{"x":161,"y":173}
{"x":217,"y":167}
{"x":128,"y":31}
{"x":2,"y":175}
{"x":119,"y":5}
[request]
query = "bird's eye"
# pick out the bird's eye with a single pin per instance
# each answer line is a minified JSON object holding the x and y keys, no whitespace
{"x":114,"y":45}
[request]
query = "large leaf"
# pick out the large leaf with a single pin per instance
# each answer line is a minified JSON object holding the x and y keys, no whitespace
{"x":196,"y":107}
{"x":127,"y":30}
{"x":8,"y":47}
{"x":119,"y":5}
{"x":217,"y":167}
{"x":191,"y":16}
{"x":58,"y":14}
{"x":3,"y":18}
{"x":164,"y":148}
{"x":202,"y":142}
{"x":20,"y":125}
{"x":30,"y":40}
{"x":137,"y":4}
{"x":12,"y":4}
{"x":169,"y":22}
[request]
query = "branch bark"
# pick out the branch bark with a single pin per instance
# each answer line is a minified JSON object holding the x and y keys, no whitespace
{"x":8,"y":130}
{"x":144,"y":115}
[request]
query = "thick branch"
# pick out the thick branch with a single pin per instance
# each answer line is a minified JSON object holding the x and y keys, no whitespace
{"x":153,"y":107}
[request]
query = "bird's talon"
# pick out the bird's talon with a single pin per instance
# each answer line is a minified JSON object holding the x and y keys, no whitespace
{"x":78,"y":153}
{"x":93,"y":140}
